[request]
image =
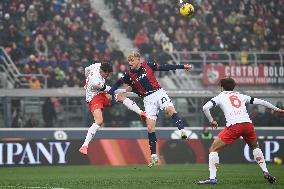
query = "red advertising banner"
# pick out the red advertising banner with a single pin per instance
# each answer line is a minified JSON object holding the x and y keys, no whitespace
{"x":119,"y":152}
{"x":132,"y":152}
{"x":244,"y":74}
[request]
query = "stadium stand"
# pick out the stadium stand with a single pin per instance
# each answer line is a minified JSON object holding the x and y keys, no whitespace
{"x":54,"y":39}
{"x":217,"y":25}
{"x":51,"y":41}
{"x":221,"y":32}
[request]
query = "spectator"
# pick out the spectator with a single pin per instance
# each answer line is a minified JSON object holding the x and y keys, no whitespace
{"x":278,"y":120}
{"x":256,"y":115}
{"x":32,"y":121}
{"x":140,"y":38}
{"x":34,"y":83}
{"x":18,"y":119}
{"x":167,"y":45}
{"x":266,"y":118}
{"x":159,"y":36}
{"x":41,"y":47}
{"x":259,"y":28}
{"x":48,"y":113}
{"x":206,"y":134}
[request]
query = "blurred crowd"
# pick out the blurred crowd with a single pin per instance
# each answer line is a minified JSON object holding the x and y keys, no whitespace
{"x":55,"y":38}
{"x":243,"y":25}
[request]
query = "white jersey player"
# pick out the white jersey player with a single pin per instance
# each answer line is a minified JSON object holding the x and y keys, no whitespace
{"x":233,"y":104}
{"x":96,"y":98}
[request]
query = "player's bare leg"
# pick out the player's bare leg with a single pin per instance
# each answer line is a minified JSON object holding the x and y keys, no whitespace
{"x":260,"y":160}
{"x":98,"y":117}
{"x":216,"y":146}
{"x":171,"y":111}
{"x":152,"y":141}
{"x":131,"y":105}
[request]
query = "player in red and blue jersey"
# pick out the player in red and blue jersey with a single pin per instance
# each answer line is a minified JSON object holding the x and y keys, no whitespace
{"x":143,"y":81}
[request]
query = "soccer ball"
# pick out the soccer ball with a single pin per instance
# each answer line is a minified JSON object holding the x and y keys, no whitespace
{"x":186,"y":9}
{"x":277,"y":160}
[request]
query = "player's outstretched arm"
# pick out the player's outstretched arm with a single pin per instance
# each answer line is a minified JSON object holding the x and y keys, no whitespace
{"x":263,"y":103}
{"x":168,"y":67}
{"x":117,"y":84}
{"x":107,"y":88}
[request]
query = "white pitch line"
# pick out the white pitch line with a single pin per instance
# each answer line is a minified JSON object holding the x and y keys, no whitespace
{"x":33,"y":187}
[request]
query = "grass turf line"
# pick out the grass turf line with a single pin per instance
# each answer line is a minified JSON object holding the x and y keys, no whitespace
{"x":166,"y":176}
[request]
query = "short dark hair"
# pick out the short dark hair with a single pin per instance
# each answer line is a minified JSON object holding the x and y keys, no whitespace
{"x":228,"y":83}
{"x":106,"y":67}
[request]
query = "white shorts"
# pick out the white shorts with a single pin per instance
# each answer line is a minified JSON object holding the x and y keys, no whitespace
{"x":155,"y":101}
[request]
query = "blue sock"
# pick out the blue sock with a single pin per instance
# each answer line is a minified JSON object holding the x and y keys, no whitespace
{"x":177,"y":121}
{"x":152,"y":142}
{"x":113,"y":100}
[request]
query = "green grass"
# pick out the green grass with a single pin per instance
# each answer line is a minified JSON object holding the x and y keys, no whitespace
{"x":136,"y":177}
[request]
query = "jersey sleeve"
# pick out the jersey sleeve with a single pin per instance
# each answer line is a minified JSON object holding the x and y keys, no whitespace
{"x":91,"y":67}
{"x":124,"y":79}
{"x":216,"y":100}
{"x":264,"y":103}
{"x":206,"y":110}
{"x":247,"y":99}
{"x":154,"y":66}
{"x":165,"y":67}
{"x":88,"y":69}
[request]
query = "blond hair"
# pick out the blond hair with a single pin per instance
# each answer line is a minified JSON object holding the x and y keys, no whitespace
{"x":133,"y":54}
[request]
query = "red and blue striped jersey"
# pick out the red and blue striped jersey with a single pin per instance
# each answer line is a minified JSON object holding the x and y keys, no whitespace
{"x":143,"y":81}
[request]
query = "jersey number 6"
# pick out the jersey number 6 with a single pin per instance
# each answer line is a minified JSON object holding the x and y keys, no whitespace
{"x":235,"y":101}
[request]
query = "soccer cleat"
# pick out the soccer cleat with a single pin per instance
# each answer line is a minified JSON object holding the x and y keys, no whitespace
{"x":208,"y":181}
{"x":84,"y":150}
{"x":143,"y":116}
{"x":269,"y":177}
{"x":154,"y":160}
{"x":183,"y":134}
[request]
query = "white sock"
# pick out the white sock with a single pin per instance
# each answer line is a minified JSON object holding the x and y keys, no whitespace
{"x":131,"y":105}
{"x":91,"y":134}
{"x":259,"y":158}
{"x":213,"y":162}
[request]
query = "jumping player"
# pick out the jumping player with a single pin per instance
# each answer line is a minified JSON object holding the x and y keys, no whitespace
{"x":96,"y":91}
{"x":233,"y":104}
{"x":143,"y":82}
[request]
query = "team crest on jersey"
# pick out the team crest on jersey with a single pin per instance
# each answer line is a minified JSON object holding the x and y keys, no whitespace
{"x":141,"y":77}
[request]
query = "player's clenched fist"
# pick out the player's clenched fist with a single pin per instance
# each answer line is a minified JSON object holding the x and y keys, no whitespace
{"x":187,"y":67}
{"x":214,"y":124}
{"x":280,"y":111}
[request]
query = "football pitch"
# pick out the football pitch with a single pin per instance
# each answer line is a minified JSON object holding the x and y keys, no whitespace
{"x":136,"y":177}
